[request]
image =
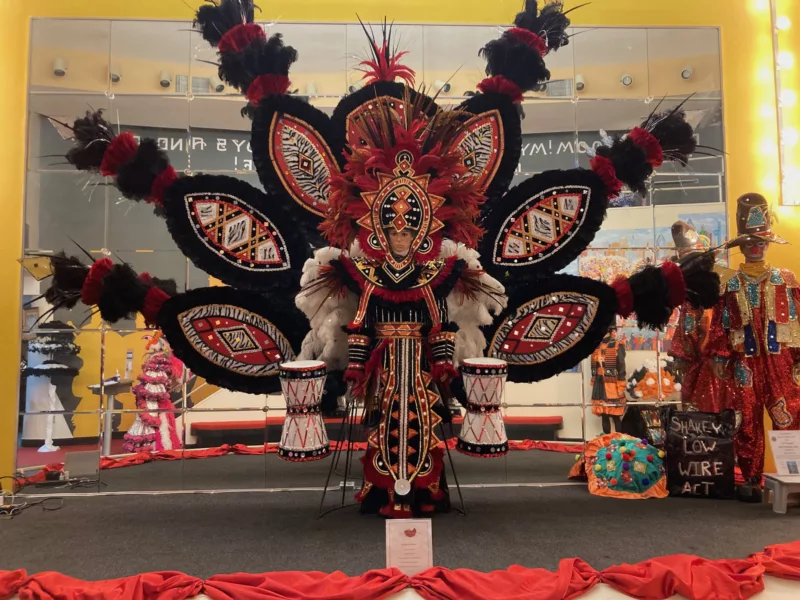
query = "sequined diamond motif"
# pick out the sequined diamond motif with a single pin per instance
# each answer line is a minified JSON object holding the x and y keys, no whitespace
{"x":238,"y":340}
{"x":305,"y":164}
{"x":543,"y":328}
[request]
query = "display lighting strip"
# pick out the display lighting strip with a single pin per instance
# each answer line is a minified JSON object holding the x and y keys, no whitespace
{"x":783,"y":61}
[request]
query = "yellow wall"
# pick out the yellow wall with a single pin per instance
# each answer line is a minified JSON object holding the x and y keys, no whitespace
{"x":746,"y":76}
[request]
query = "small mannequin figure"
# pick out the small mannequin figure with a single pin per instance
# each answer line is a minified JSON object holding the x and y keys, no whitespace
{"x":754,"y":339}
{"x":700,"y":389}
{"x":608,"y":380}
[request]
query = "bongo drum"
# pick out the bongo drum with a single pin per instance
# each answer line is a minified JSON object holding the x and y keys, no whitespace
{"x":304,"y":436}
{"x":483,"y":432}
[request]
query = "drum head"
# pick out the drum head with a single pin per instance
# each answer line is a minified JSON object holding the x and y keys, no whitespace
{"x":489,"y":363}
{"x":304,"y":365}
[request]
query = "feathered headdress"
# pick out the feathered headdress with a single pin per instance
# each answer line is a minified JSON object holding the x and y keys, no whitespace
{"x":407,"y":174}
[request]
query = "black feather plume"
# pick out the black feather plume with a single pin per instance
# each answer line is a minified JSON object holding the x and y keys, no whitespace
{"x":218,"y":17}
{"x":550,"y":23}
{"x":674,"y":133}
{"x":69,"y":273}
{"x":168,"y":286}
{"x":135,"y":178}
{"x":515,"y":60}
{"x":91,"y":134}
{"x":262,"y":57}
{"x":123,"y":294}
{"x":650,"y":297}
{"x":702,"y":282}
{"x":630,"y":163}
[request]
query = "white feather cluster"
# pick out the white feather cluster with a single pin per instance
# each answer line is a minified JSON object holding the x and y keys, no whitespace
{"x":327,"y":314}
{"x":469,"y":313}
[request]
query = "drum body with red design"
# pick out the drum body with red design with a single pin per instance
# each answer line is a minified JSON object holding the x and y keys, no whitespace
{"x":483,"y":432}
{"x":304,"y":436}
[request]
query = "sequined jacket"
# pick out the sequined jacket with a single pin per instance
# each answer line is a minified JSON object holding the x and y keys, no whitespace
{"x":756,"y":314}
{"x":690,"y":333}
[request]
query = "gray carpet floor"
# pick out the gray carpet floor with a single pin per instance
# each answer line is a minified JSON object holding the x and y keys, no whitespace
{"x":206,"y":534}
{"x":268,"y":471}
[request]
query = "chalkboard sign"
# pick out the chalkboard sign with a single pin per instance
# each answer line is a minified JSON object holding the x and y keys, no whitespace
{"x":700,"y":456}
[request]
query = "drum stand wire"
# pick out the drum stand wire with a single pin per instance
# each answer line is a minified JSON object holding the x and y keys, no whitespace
{"x":347,"y":424}
{"x":463,"y":510}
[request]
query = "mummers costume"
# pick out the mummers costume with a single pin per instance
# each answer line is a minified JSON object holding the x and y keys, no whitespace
{"x":700,"y":388}
{"x":425,"y":257}
{"x":755,"y":340}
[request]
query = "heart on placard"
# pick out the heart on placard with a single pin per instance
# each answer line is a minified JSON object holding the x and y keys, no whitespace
{"x":410,"y":532}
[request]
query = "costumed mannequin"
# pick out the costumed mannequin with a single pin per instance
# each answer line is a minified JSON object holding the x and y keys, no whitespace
{"x":155,"y":429}
{"x":52,"y":360}
{"x":754,"y":339}
{"x":608,"y":380}
{"x":405,"y":195}
{"x":700,"y":389}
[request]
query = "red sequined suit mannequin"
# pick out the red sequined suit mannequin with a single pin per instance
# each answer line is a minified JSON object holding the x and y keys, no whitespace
{"x":755,"y":339}
{"x":700,"y":388}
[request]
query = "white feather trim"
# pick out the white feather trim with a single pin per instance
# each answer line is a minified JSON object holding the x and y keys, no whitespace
{"x":471,"y":313}
{"x":327,"y":315}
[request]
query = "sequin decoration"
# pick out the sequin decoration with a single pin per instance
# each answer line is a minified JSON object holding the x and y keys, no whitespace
{"x":780,"y":416}
{"x":743,"y":374}
{"x":734,"y":284}
{"x":541,"y":225}
{"x":750,"y":345}
{"x":754,"y":294}
{"x":756,"y":217}
{"x":726,"y":318}
{"x":544,"y":328}
{"x":776,"y":277}
{"x":303,"y":162}
{"x":689,"y":323}
{"x":773,"y":347}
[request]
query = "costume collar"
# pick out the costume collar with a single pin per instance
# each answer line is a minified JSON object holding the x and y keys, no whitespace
{"x":755,"y":270}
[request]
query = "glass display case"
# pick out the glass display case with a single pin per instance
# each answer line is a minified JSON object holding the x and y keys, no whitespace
{"x":154,"y":79}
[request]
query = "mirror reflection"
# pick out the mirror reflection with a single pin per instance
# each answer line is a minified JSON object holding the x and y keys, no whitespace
{"x":116,"y":395}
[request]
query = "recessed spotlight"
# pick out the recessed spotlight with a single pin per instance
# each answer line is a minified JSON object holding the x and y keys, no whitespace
{"x":59,"y":67}
{"x":686,"y":73}
{"x":441,"y":86}
{"x":626,"y":80}
{"x":216,"y":84}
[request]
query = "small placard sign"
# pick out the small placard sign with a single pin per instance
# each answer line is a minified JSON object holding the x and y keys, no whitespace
{"x":409,"y":545}
{"x":700,"y":457}
{"x":786,"y":451}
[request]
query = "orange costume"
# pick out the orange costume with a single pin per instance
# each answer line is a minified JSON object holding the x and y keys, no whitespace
{"x":608,"y":379}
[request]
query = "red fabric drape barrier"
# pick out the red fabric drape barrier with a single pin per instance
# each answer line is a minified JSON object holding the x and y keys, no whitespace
{"x":573,"y":578}
{"x":107,"y":462}
{"x":656,"y":579}
{"x":309,"y":586}
{"x":689,"y":576}
{"x":167,"y":585}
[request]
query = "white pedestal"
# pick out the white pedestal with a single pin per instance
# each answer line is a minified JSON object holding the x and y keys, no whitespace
{"x":779,"y":487}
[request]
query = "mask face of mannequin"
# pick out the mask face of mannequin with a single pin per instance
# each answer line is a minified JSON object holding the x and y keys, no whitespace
{"x":400,"y":242}
{"x":754,"y":250}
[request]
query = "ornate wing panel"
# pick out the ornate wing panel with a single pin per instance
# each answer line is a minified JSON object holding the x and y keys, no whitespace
{"x":232,"y":338}
{"x":551,"y":327}
{"x":493,"y":144}
{"x":235,"y":232}
{"x":543,"y":224}
{"x":292,"y":153}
